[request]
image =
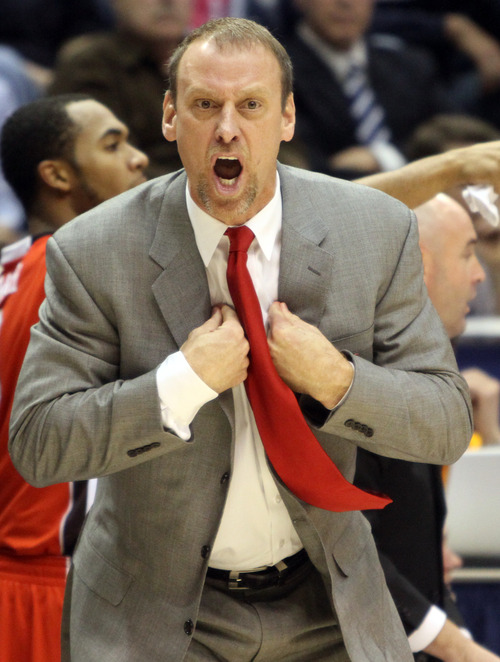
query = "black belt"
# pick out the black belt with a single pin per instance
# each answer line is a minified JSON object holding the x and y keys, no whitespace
{"x":259,"y":578}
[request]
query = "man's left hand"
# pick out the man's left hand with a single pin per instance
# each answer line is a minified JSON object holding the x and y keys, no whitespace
{"x":305,"y":359}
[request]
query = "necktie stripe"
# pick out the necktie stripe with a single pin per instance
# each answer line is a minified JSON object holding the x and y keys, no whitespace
{"x":367,"y":114}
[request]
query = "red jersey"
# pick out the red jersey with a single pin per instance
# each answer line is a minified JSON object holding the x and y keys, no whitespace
{"x":33,"y":521}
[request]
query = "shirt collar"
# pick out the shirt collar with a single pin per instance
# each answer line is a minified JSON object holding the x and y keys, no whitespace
{"x":339,"y":61}
{"x":208,"y":231}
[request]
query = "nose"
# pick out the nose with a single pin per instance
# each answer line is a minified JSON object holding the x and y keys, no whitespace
{"x":479,"y":274}
{"x":138,"y":160}
{"x":227,"y":129}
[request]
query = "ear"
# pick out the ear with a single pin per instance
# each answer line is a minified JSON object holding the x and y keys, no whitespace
{"x":56,"y":174}
{"x":288,"y":120}
{"x":169,"y":122}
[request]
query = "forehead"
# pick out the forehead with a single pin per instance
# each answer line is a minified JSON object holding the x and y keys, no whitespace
{"x":230,"y":68}
{"x":459,"y":232}
{"x":94,"y":120}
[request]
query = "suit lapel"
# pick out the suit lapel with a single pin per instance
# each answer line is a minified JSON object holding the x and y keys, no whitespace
{"x":181,"y":290}
{"x":305,"y":268}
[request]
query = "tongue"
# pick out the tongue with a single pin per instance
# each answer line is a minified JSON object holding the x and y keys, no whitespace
{"x":227,"y":168}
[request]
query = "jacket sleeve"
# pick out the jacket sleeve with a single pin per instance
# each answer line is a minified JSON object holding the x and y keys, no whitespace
{"x":408,"y":399}
{"x":77,"y":416}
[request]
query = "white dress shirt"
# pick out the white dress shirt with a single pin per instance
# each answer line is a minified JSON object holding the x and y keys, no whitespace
{"x":256,"y":528}
{"x":428,"y":629}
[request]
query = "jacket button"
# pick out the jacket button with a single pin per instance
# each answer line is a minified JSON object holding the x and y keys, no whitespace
{"x":205,"y":551}
{"x":224,"y":478}
{"x":189,"y":627}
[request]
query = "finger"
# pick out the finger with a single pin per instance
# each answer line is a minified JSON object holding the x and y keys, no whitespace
{"x":228,"y":314}
{"x":213,"y":322}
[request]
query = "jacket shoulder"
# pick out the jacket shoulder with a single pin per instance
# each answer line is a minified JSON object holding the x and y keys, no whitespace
{"x":130,"y":217}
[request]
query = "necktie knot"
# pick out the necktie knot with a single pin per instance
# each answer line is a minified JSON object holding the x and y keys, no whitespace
{"x":240,"y":239}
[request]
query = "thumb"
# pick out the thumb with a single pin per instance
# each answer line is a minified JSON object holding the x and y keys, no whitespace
{"x":228,"y":314}
{"x":213,"y":322}
{"x":279,"y":313}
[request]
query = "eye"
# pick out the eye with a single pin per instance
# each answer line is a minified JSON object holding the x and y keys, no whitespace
{"x":252,"y":104}
{"x":113,"y":147}
{"x":204,"y":104}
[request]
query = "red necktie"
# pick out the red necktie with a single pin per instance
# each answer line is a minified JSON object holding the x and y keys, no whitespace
{"x":292,"y":448}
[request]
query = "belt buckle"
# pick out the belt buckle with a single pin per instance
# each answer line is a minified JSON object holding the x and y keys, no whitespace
{"x":234,"y":581}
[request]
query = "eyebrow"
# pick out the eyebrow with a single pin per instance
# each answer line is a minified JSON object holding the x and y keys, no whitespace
{"x":113,"y":132}
{"x":243,"y":93}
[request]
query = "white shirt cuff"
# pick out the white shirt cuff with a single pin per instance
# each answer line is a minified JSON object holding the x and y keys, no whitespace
{"x":182,"y":393}
{"x":428,"y":630}
{"x":387,"y":155}
{"x":346,"y":394}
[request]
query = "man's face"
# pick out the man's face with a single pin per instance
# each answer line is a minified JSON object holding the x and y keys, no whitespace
{"x":105,"y":162}
{"x":154,"y":20}
{"x":228,"y":123}
{"x":451,"y":269}
{"x":339,"y":22}
{"x":488,"y":246}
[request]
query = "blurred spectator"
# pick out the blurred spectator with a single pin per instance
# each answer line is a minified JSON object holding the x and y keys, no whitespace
{"x":36,"y":29}
{"x":464,"y":39}
{"x":447,"y":131}
{"x":488,"y":250}
{"x":125,"y":69}
{"x":357,"y":99}
{"x":204,"y":10}
{"x":437,"y":136}
{"x":485,"y":395}
{"x":277,"y":15}
{"x":16,"y":88}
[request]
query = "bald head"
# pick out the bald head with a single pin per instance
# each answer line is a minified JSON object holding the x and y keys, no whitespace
{"x":451,"y":269}
{"x":439,"y":217}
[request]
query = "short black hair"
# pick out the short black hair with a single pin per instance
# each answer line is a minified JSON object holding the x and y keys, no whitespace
{"x":39,"y":130}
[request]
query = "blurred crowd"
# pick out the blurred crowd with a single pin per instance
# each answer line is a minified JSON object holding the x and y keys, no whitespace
{"x":432,"y":70}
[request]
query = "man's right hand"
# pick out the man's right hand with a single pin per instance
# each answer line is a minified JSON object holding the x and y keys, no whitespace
{"x":218,"y":350}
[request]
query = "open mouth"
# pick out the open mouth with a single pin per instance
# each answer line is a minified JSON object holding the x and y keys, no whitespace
{"x":228,"y":169}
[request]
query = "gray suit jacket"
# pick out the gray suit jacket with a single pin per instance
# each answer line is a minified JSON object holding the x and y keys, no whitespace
{"x":125,"y":286}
